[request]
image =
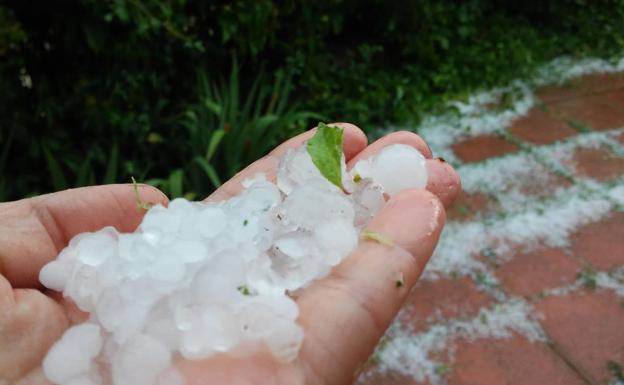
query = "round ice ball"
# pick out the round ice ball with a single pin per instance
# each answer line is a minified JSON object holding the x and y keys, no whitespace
{"x":72,"y":355}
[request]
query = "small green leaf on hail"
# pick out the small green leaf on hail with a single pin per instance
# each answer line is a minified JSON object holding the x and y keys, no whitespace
{"x":244,"y":290}
{"x":357,"y":178}
{"x":368,"y":235}
{"x":325,"y":149}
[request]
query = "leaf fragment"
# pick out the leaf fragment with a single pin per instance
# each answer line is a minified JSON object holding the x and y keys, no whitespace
{"x":325,"y":149}
{"x":368,"y":235}
{"x":244,"y":290}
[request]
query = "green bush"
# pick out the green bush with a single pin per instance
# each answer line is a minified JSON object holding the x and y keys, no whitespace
{"x":98,"y":91}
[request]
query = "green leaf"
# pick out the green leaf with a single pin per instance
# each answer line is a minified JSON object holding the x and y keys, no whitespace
{"x":175,"y":183}
{"x":84,"y":172}
{"x":209,"y":170}
{"x":215,"y":139}
{"x":112,"y":165}
{"x":325,"y":149}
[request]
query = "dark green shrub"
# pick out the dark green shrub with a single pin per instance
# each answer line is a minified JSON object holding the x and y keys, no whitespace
{"x":96,"y":91}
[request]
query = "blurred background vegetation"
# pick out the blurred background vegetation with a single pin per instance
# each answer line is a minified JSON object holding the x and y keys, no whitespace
{"x":183,"y":93}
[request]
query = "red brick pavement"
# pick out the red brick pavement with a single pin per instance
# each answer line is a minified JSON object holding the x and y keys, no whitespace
{"x":539,"y":127}
{"x":584,"y":327}
{"x":601,"y":243}
{"x":483,"y":147}
{"x":594,"y":112}
{"x":513,"y":361}
{"x":443,"y":299}
{"x":597,"y":163}
{"x":528,"y":274}
{"x":469,"y":205}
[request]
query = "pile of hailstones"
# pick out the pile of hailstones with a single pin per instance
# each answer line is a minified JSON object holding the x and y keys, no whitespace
{"x":197,"y":279}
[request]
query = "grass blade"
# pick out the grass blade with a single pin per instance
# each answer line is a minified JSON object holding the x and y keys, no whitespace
{"x":215,"y":140}
{"x":176,"y":183}
{"x":209,"y":170}
{"x":111,"y":167}
{"x":5,"y":151}
{"x":83,"y":175}
{"x":56,"y":173}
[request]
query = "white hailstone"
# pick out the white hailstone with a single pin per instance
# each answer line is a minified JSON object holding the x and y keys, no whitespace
{"x":55,"y":274}
{"x":396,"y":168}
{"x":295,"y":245}
{"x":188,"y":251}
{"x":284,"y":306}
{"x":98,"y":247}
{"x":170,"y":377}
{"x":315,"y":202}
{"x":83,"y":287}
{"x":211,"y":221}
{"x":141,"y":360}
{"x":165,"y":330}
{"x":295,"y":169}
{"x":217,"y":282}
{"x":198,"y":279}
{"x":161,"y":220}
{"x":87,"y":379}
{"x":285,"y":340}
{"x":72,"y":356}
{"x":368,"y":199}
{"x":337,"y":238}
{"x":213,"y":329}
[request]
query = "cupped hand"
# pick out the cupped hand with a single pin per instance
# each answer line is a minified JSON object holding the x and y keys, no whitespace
{"x":343,"y":315}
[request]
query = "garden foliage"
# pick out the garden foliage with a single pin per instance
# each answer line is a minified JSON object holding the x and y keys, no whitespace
{"x":184,"y":93}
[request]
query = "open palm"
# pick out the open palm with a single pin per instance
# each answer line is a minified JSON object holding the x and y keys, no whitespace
{"x":343,"y":315}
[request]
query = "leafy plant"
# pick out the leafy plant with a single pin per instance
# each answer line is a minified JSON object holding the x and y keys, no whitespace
{"x":143,"y":77}
{"x":227,"y":129}
{"x":588,"y":279}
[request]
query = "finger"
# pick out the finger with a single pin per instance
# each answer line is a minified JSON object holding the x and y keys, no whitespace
{"x":72,"y":311}
{"x":266,"y":165}
{"x":33,"y":231}
{"x":345,"y":314}
{"x":30,"y":323}
{"x":442,"y":179}
{"x":34,"y":377}
{"x":398,"y":137}
{"x":354,"y":141}
{"x":261,"y":368}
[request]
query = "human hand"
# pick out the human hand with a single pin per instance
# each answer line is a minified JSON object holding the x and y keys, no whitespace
{"x":343,"y":315}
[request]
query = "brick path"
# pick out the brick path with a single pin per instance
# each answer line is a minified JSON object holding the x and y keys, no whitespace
{"x":527,"y":285}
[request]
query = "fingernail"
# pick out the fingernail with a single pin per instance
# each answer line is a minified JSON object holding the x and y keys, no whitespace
{"x":409,"y":219}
